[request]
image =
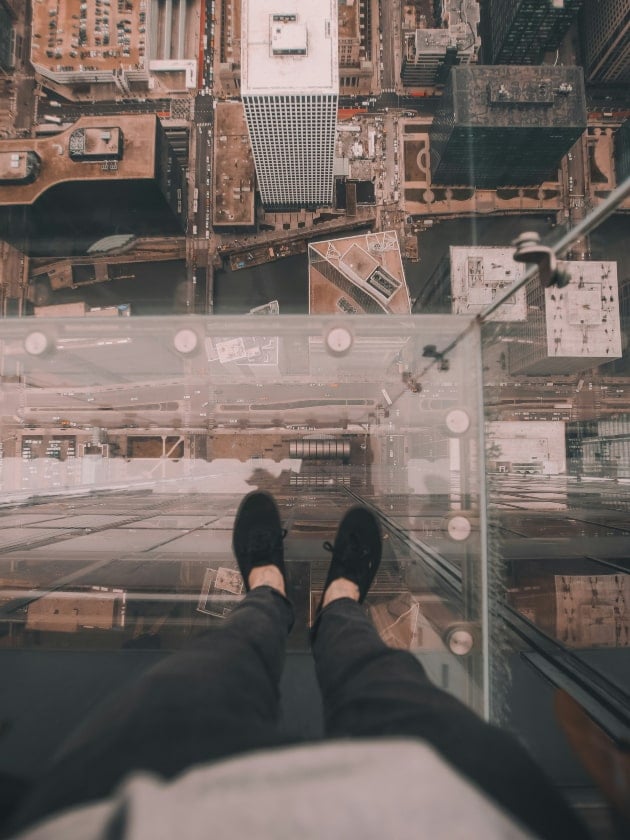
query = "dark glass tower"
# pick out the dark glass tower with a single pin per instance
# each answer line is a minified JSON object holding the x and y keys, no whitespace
{"x":506,"y":126}
{"x":521,"y":31}
{"x":605,"y":27}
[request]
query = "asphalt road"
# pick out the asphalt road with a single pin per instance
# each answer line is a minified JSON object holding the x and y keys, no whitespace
{"x":71,"y":111}
{"x":203,"y":179}
{"x":387,"y":43}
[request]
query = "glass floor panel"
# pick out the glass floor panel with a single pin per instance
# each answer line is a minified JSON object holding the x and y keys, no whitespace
{"x":129,"y":443}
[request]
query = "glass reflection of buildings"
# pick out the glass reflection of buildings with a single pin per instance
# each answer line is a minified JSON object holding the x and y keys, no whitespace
{"x":154,"y":478}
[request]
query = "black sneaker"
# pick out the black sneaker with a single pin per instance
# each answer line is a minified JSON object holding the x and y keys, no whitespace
{"x":356,"y":553}
{"x":257,"y":535}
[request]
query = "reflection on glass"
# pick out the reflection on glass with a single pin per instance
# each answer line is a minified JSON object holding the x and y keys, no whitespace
{"x":490,"y":430}
{"x":128,"y":443}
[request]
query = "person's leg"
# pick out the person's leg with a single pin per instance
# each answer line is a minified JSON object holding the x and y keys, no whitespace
{"x":216,"y":697}
{"x":369,"y":690}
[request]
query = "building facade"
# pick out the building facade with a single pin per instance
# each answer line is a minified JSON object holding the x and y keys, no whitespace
{"x":7,"y":38}
{"x":603,"y":447}
{"x":429,"y":53}
{"x":98,"y":177}
{"x":83,"y":44}
{"x":356,"y":67}
{"x":605,"y":26}
{"x":622,"y":152}
{"x":522,"y":31}
{"x":506,"y":126}
{"x":290,"y":88}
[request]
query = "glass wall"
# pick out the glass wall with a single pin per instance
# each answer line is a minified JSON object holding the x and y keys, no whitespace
{"x":128,"y":443}
{"x":447,"y":344}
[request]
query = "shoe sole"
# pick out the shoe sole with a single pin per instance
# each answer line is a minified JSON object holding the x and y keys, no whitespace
{"x":365,"y":520}
{"x":244,"y":568}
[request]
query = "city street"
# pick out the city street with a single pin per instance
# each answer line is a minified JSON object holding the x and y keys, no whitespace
{"x":69,"y":112}
{"x":201,"y":217}
{"x":389,"y":14}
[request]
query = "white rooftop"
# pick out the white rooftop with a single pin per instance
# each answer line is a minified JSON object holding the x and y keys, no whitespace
{"x":479,"y":274}
{"x":583,"y":318}
{"x":289,"y":46}
{"x":537,"y":442}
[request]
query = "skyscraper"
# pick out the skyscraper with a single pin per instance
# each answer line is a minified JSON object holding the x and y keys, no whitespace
{"x":521,"y":31}
{"x":506,"y":126}
{"x":605,"y":26}
{"x":97,"y":177}
{"x":622,"y":152}
{"x":361,"y":273}
{"x":570,"y":329}
{"x":429,"y":53}
{"x":479,"y":274}
{"x":7,"y":38}
{"x":290,"y":87}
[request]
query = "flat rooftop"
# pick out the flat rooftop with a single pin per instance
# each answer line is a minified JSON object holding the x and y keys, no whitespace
{"x":530,"y":441}
{"x":582,"y":319}
{"x":72,"y":35}
{"x":346,"y":274}
{"x":349,"y":21}
{"x":138,"y":159}
{"x":430,"y":39}
{"x":463,"y":23}
{"x":13,"y":165}
{"x":514,"y":95}
{"x":289,"y":47}
{"x":479,"y":274}
{"x":234,"y":173}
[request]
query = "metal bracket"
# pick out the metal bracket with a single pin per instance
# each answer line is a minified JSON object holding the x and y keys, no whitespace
{"x":529,"y":249}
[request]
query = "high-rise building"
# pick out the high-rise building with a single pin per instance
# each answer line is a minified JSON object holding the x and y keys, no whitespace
{"x":521,"y":31}
{"x":99,"y":176}
{"x":531,"y":447}
{"x":622,"y":152}
{"x":605,"y":26}
{"x":78,"y":43}
{"x":573,"y":328}
{"x":479,"y":275}
{"x":429,"y":53}
{"x":290,"y":88}
{"x":355,"y":37}
{"x":605,"y":448}
{"x":506,"y":126}
{"x":356,"y":67}
{"x":7,"y":37}
{"x":469,"y":279}
{"x":357,"y":274}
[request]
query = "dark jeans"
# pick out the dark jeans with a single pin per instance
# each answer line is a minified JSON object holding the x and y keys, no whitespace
{"x":219,"y":696}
